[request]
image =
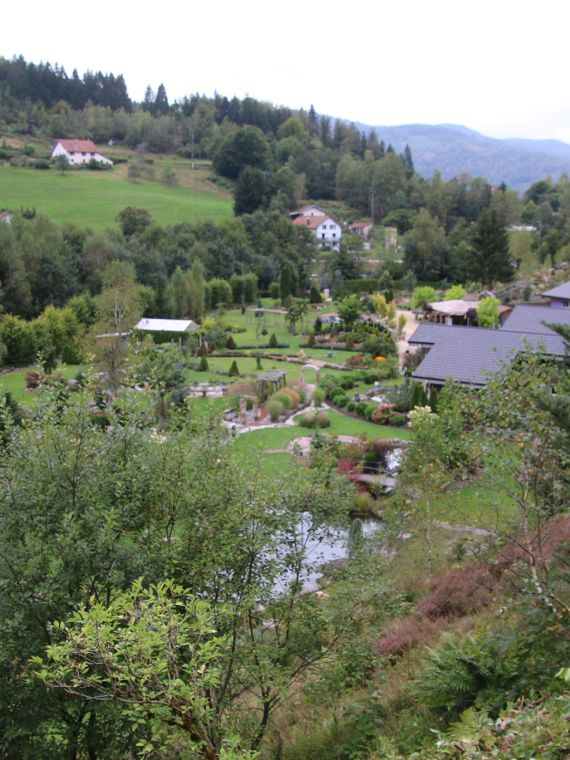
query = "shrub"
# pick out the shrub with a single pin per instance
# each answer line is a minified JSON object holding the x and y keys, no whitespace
{"x":311,"y":340}
{"x":406,"y":633}
{"x":347,"y":383}
{"x":458,"y":592}
{"x":336,"y":393}
{"x":369,"y":411}
{"x":41,"y":164}
{"x":342,"y":401}
{"x":313,"y":420}
{"x":300,"y":390}
{"x":230,"y":343}
{"x":203,"y":364}
{"x":273,"y":341}
{"x":33,"y":379}
{"x":234,"y":371}
{"x":363,"y":501}
{"x":264,"y":331}
{"x":318,"y":396}
{"x":351,"y":406}
{"x":275,"y":409}
{"x":274,"y":290}
{"x":293,"y":395}
{"x":357,"y":360}
{"x":397,"y":419}
{"x":382,"y":414}
{"x":284,"y":398}
{"x":361,"y":408}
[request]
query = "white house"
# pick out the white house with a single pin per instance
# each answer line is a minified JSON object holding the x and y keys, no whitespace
{"x":79,"y":152}
{"x":327,"y":231}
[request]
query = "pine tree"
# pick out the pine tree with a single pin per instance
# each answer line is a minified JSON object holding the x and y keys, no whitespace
{"x":490,"y":260}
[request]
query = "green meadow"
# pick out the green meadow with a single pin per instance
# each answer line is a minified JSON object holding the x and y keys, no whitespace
{"x":93,"y":199}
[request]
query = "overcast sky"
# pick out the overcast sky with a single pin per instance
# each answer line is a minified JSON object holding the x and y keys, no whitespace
{"x":497,"y":66}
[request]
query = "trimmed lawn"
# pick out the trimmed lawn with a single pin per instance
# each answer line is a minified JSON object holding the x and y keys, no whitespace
{"x":252,"y":447}
{"x":15,"y":383}
{"x":93,"y":199}
{"x":247,"y":365}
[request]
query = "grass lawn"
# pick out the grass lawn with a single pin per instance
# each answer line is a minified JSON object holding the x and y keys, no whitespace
{"x":252,"y":447}
{"x":247,"y":365}
{"x":15,"y":383}
{"x":93,"y":199}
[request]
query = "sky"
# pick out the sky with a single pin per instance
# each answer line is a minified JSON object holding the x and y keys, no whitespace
{"x":496,"y":66}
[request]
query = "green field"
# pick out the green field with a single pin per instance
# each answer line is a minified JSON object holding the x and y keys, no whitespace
{"x":93,"y":199}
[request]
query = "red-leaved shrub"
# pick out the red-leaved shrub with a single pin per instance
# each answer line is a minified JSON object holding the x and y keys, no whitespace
{"x":458,"y":592}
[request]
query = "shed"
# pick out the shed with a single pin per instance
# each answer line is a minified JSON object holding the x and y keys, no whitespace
{"x":147,"y":324}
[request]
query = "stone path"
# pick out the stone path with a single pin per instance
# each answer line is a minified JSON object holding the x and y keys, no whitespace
{"x":464,"y":529}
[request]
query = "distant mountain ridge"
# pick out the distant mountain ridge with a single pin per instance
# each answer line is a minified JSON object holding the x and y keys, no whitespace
{"x":454,"y":149}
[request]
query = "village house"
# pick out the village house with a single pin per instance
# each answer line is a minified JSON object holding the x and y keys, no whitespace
{"x":362,"y":229}
{"x":326,"y":230}
{"x":469,"y":355}
{"x":559,"y":297}
{"x":79,"y":152}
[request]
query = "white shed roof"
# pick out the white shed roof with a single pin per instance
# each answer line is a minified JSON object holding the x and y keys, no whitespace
{"x":456,"y":308}
{"x":166,"y":325}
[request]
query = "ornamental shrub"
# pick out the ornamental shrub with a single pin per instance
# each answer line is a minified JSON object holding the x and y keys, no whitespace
{"x":342,"y":401}
{"x":293,"y":395}
{"x":283,"y":398}
{"x":234,"y":371}
{"x":275,"y":409}
{"x":318,"y":396}
{"x":313,"y":420}
{"x":369,"y":411}
{"x":351,"y":406}
{"x":230,"y":343}
{"x":203,"y":365}
{"x":273,"y":341}
{"x":361,"y":408}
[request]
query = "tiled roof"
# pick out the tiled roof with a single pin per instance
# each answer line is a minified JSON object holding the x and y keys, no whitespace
{"x":312,"y":222}
{"x":469,"y":355}
{"x":534,"y":319}
{"x":561,"y":291}
{"x":78,"y":146}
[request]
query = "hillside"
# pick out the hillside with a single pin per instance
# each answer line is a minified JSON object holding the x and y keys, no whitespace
{"x":93,"y":199}
{"x":453,"y":150}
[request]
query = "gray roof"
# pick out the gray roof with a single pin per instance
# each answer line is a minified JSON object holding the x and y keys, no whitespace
{"x":533,"y":319}
{"x":469,"y":355}
{"x":561,"y":291}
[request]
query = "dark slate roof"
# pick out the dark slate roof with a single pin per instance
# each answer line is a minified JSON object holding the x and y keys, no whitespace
{"x":469,"y":355}
{"x":561,"y":291}
{"x":533,"y":319}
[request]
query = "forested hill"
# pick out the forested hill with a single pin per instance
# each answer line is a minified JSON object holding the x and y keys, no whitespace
{"x":455,"y":150}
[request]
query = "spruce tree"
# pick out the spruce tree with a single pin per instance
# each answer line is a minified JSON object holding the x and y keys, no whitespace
{"x":490,"y":260}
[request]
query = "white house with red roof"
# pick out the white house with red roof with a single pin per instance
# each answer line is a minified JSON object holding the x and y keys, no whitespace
{"x":79,"y":152}
{"x":327,"y":231}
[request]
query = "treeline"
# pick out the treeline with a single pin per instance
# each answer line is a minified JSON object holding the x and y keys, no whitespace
{"x":42,"y":263}
{"x":46,"y":84}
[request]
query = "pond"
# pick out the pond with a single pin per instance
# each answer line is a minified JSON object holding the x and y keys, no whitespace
{"x":330,"y":545}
